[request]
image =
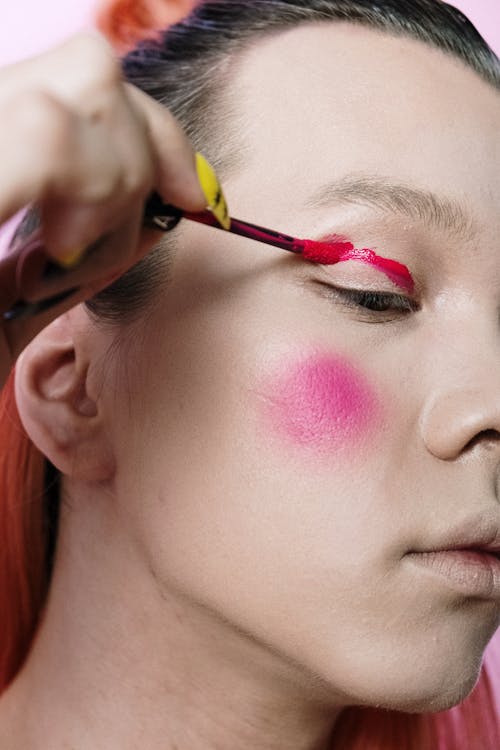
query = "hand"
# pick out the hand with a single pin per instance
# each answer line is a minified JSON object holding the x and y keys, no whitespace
{"x":87,"y":148}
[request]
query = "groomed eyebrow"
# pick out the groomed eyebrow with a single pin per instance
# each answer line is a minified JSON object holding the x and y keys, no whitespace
{"x":415,"y":203}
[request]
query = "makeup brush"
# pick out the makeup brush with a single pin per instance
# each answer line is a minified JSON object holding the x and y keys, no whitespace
{"x":159,"y":215}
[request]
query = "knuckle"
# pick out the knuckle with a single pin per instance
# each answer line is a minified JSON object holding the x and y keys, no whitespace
{"x":97,"y":57}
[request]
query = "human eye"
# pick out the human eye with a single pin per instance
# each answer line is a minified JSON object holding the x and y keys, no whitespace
{"x":374,"y":305}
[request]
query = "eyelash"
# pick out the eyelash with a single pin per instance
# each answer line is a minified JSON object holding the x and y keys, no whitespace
{"x":371,"y":303}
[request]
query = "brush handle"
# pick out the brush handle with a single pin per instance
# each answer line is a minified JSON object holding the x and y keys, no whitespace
{"x":164,"y":216}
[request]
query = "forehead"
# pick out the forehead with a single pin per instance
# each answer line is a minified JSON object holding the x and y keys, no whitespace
{"x":322,"y":101}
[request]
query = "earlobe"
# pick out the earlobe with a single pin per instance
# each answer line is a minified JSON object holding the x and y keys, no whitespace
{"x":57,"y":412}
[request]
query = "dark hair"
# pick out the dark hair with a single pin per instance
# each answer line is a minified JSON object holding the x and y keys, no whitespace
{"x":185,"y":66}
{"x":182,"y":68}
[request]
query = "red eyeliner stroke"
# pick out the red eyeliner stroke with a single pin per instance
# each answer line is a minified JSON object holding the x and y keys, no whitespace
{"x":337,"y":250}
{"x":31,"y":254}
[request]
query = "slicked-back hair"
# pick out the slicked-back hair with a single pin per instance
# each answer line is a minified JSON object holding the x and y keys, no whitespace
{"x":183,"y":67}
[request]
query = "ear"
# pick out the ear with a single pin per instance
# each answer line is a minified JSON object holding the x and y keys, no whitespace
{"x":60,"y":416}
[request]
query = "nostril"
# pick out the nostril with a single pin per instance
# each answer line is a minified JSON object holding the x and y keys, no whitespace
{"x":485,"y":436}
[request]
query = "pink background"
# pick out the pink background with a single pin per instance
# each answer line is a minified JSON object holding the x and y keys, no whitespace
{"x":30,"y":26}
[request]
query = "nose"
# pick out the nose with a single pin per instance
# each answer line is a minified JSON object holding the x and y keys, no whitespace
{"x":463,"y":410}
{"x":457,"y":420}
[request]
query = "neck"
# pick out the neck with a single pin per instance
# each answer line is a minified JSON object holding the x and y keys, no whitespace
{"x":122,"y":659}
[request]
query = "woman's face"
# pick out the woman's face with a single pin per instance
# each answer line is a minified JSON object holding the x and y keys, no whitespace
{"x":280,"y":446}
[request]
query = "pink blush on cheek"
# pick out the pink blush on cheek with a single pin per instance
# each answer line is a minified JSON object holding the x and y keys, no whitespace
{"x":322,"y":403}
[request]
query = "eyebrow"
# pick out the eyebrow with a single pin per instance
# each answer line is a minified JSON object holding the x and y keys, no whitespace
{"x":401,"y":198}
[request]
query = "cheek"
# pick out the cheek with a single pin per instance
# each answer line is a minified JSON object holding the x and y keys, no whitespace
{"x":321,"y":404}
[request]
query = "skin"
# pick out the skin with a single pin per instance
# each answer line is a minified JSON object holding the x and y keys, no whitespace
{"x":218,"y":585}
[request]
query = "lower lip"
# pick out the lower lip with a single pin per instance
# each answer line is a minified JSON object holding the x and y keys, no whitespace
{"x":469,"y":572}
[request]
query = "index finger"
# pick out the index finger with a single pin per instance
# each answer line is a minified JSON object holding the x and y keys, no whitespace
{"x":177,"y":179}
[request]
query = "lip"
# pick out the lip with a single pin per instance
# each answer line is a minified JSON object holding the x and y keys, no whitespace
{"x":467,"y":556}
{"x":480,"y":533}
{"x":470,"y":572}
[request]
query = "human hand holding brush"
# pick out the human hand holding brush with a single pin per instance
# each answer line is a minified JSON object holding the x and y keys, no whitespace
{"x":86,"y":148}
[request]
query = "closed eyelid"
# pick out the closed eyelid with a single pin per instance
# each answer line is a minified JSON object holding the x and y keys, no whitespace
{"x":370,"y":302}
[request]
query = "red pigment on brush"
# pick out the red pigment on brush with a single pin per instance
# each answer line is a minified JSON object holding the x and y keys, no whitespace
{"x":328,"y":253}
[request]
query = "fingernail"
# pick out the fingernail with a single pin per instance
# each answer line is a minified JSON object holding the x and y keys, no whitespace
{"x":71,"y":258}
{"x":213,"y":191}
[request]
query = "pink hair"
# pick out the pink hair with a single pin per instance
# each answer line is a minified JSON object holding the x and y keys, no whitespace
{"x":473,"y":725}
{"x":126,"y":22}
{"x":23,"y":580}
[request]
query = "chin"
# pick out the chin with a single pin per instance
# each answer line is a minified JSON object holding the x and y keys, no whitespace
{"x":437,"y":676}
{"x":426,"y":696}
{"x":424,"y":685}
